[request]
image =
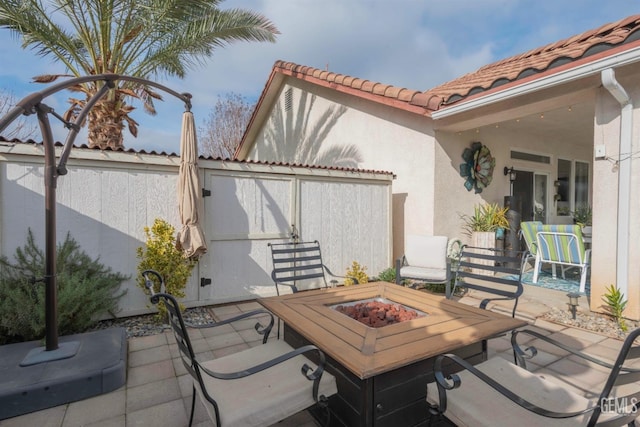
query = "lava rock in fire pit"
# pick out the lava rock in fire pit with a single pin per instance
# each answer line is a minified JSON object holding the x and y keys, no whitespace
{"x":376,"y":314}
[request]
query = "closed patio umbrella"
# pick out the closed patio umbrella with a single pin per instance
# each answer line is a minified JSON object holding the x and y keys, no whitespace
{"x":190,"y":238}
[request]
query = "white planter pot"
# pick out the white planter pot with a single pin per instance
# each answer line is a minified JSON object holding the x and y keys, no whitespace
{"x":483,"y":239}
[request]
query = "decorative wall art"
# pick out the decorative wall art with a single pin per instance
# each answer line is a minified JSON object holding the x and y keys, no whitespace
{"x":477,"y":167}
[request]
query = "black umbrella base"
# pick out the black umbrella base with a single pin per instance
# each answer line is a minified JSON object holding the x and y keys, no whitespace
{"x":84,"y":365}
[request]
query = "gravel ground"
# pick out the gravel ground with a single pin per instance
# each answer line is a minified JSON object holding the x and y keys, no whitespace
{"x":590,"y":321}
{"x":139,"y":326}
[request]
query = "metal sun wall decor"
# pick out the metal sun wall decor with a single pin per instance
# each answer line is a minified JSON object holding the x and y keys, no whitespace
{"x":477,"y":167}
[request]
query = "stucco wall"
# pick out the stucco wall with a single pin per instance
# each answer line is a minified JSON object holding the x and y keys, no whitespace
{"x":605,"y":201}
{"x":451,"y":197}
{"x":333,"y":129}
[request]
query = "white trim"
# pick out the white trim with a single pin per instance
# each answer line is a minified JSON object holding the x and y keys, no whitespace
{"x":582,"y":71}
{"x":624,"y":178}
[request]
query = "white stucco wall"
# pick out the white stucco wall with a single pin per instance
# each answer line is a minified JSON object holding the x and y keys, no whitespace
{"x":605,"y":200}
{"x":373,"y":136}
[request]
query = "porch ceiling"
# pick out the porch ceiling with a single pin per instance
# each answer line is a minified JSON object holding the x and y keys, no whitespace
{"x":572,"y":124}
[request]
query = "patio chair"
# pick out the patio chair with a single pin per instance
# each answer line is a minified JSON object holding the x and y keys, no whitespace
{"x":425,"y":259}
{"x":259,"y":386}
{"x":528,"y":231}
{"x":298,"y":262}
{"x":522,"y":398}
{"x":562,"y":245}
{"x":495,"y":272}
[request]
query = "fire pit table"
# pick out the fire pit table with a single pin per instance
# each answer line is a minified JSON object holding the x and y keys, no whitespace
{"x":382,"y":372}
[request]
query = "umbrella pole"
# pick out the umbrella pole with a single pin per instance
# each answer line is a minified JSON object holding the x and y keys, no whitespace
{"x":50,"y":178}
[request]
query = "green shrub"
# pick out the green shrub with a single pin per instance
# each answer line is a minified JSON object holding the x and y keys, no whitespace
{"x":160,"y":254}
{"x":616,"y":305}
{"x":85,"y":290}
{"x":388,"y":275}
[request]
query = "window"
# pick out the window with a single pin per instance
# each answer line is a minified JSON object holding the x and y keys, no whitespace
{"x":537,"y":158}
{"x":563,"y":188}
{"x":571,"y":186}
{"x":582,"y":184}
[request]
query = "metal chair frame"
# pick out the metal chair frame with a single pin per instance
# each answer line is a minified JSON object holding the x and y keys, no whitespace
{"x":197,"y":371}
{"x":620,"y":374}
{"x":298,"y":261}
{"x":501,"y":277}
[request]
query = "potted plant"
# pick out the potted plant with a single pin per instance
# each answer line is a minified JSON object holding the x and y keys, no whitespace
{"x":483,"y":224}
{"x":582,"y":216}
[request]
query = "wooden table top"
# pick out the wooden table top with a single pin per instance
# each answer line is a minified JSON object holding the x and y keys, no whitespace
{"x":365,"y":351}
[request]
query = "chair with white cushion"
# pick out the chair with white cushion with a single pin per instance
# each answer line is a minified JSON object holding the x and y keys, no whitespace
{"x":425,"y":260}
{"x":499,"y":393}
{"x":259,"y":386}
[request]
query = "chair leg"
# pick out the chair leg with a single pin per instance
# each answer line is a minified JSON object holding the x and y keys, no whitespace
{"x":583,"y":279}
{"x":193,"y":405}
{"x":536,"y":270}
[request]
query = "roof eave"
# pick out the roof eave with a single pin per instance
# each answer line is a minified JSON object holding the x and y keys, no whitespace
{"x":575,"y":70}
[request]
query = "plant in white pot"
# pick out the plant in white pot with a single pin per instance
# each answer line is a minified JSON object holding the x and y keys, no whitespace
{"x":487,"y":218}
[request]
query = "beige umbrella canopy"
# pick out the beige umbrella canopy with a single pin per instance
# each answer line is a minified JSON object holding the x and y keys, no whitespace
{"x":191,"y":238}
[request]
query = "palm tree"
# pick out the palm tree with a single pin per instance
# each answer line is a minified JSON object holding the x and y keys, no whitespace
{"x":139,"y":38}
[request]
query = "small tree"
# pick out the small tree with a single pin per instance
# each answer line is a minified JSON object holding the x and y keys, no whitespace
{"x":20,"y":128}
{"x":160,"y":254}
{"x":225,"y":125}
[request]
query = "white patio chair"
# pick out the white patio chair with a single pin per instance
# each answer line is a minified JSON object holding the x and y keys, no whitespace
{"x":425,"y":259}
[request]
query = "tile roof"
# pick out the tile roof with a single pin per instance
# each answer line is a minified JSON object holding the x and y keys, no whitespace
{"x":5,"y":141}
{"x":513,"y":69}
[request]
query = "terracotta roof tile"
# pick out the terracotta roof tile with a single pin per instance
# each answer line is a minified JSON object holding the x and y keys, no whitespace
{"x":367,"y":86}
{"x":489,"y":76}
{"x":166,"y":154}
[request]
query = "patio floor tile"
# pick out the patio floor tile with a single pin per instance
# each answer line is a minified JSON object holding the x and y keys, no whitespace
{"x":118,"y":421}
{"x":158,"y":391}
{"x":166,"y":414}
{"x":142,"y":343}
{"x":152,"y":394}
{"x":51,"y":417}
{"x":150,"y":373}
{"x":96,"y":409}
{"x":148,"y":355}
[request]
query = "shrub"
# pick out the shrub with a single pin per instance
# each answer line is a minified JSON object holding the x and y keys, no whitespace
{"x":388,"y":275}
{"x":356,"y":271}
{"x":85,"y":290}
{"x":160,"y":254}
{"x":616,"y":305}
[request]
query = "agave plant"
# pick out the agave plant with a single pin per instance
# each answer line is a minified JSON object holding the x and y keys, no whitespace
{"x":486,"y":217}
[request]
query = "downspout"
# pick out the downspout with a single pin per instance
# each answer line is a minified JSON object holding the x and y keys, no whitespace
{"x":624,"y":177}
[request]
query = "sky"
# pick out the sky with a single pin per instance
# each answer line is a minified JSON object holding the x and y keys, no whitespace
{"x":416,"y":44}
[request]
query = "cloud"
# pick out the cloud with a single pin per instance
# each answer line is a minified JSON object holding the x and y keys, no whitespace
{"x":415,"y":44}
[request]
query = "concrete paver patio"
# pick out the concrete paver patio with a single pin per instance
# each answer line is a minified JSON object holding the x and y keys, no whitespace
{"x":158,"y":389}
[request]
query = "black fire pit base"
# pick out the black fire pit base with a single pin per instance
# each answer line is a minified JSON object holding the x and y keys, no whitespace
{"x":390,"y":399}
{"x":98,"y":366}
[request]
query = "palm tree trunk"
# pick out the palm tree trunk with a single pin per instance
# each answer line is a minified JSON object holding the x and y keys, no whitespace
{"x":106,"y":125}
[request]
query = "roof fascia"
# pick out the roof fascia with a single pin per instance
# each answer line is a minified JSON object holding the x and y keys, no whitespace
{"x":273,"y":83}
{"x":624,"y":55}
